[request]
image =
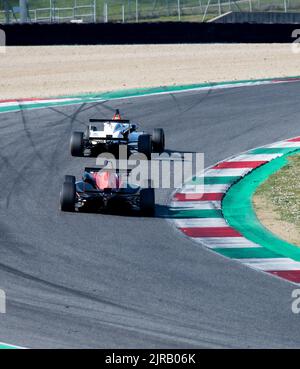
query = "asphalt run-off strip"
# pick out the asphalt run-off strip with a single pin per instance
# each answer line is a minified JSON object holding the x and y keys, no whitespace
{"x":222,"y":217}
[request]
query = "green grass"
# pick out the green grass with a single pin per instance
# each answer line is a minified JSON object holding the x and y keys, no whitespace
{"x":282,"y":190}
{"x":152,"y":10}
{"x":159,"y":10}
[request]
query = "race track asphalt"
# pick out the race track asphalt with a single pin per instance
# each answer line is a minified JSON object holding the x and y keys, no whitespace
{"x":117,"y":281}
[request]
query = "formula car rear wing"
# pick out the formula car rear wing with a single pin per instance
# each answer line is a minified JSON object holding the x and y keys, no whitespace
{"x":99,"y":168}
{"x":93,"y":120}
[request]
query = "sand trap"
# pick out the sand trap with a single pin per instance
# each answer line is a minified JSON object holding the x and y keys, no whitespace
{"x":58,"y":70}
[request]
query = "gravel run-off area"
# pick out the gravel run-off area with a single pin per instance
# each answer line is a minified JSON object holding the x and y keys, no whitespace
{"x":61,"y":70}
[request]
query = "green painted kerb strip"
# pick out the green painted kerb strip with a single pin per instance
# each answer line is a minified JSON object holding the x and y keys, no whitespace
{"x":194,"y":213}
{"x":156,"y":90}
{"x":213,"y":180}
{"x":23,"y":106}
{"x":127,"y":93}
{"x":271,"y":150}
{"x":247,"y":253}
{"x":238,"y":209}
{"x":7,"y":347}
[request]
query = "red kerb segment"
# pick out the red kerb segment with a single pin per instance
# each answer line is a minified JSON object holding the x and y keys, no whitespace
{"x":211,"y":232}
{"x":23,"y":100}
{"x":290,"y":275}
{"x":239,"y":164}
{"x":198,"y":196}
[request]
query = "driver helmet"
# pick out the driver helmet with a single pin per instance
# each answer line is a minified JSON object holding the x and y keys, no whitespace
{"x":117,"y":115}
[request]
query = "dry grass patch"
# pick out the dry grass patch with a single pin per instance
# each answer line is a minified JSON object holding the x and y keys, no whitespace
{"x":277,"y":202}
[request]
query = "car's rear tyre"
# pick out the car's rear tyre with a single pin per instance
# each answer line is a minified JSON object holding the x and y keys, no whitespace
{"x":68,"y":196}
{"x":145,"y":145}
{"x":158,"y":140}
{"x":70,"y":179}
{"x":76,"y":144}
{"x":147,"y":201}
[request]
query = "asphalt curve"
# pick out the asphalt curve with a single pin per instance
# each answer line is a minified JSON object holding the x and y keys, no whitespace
{"x":92,"y":280}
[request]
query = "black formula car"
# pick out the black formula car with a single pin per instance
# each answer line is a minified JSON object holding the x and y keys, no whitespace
{"x":109,"y":134}
{"x":101,"y":189}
